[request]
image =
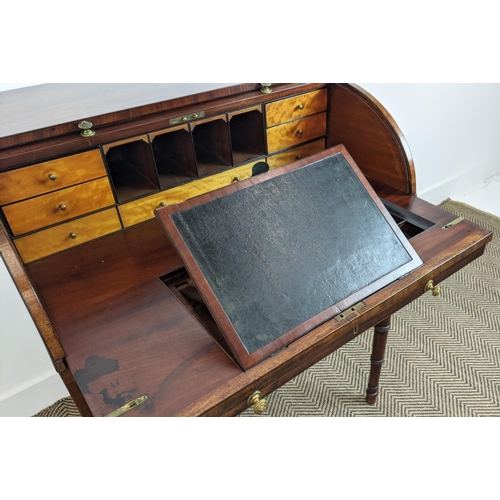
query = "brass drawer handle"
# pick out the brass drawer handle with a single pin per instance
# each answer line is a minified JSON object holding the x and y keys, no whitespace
{"x":259,"y":405}
{"x":300,"y":106}
{"x":52,"y":177}
{"x":299,"y":131}
{"x":62,"y":206}
{"x":72,"y":235}
{"x":237,"y":179}
{"x":163,"y":204}
{"x":436,"y":289}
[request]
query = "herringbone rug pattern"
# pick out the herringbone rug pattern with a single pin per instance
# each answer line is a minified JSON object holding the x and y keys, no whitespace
{"x":442,"y":356}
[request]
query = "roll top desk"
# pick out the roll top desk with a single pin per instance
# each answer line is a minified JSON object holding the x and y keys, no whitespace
{"x":108,"y":291}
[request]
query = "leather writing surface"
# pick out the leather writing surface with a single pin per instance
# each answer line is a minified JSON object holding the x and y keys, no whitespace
{"x":282,"y":251}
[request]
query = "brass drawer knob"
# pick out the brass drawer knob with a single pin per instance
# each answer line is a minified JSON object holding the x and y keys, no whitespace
{"x":163,"y":204}
{"x":62,"y":206}
{"x":300,"y":106}
{"x":86,"y":128}
{"x":299,"y":131}
{"x":52,"y":177}
{"x":298,"y":157}
{"x":72,"y":235}
{"x":436,"y":289}
{"x":237,"y":179}
{"x":259,"y":405}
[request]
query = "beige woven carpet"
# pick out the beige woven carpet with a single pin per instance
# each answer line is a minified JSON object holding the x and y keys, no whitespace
{"x":442,"y":356}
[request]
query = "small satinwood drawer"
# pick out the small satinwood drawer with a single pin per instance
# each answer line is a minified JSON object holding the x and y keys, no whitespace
{"x":33,"y":214}
{"x":294,"y":154}
{"x":295,"y":107}
{"x":143,"y":209}
{"x":42,"y":178}
{"x":296,"y":132}
{"x":67,"y":235}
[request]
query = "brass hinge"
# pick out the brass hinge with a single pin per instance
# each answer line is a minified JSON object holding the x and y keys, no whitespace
{"x":452,"y":223}
{"x":348,"y":312}
{"x":127,"y":407}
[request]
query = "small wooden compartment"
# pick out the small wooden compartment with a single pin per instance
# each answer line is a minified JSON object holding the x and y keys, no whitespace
{"x":212,"y":145}
{"x":247,"y":135}
{"x":132,"y":168}
{"x":410,"y":224}
{"x":173,"y":151}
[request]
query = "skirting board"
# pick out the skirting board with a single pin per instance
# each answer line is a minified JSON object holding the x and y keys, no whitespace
{"x":33,"y":398}
{"x":456,"y":186}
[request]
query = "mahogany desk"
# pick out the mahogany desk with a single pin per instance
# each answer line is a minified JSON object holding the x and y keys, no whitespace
{"x":79,"y":235}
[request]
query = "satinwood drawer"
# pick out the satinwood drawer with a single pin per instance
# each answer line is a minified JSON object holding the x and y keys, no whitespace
{"x":296,"y":132}
{"x":143,"y":209}
{"x":42,"y":178}
{"x":67,"y":235}
{"x":295,"y":154}
{"x":59,"y":206}
{"x":295,"y":107}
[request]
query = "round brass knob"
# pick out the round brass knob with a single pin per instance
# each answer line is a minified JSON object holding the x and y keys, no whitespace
{"x":72,"y":235}
{"x":436,"y":289}
{"x":299,"y":131}
{"x":259,"y":405}
{"x":86,"y":128}
{"x":62,"y":206}
{"x":300,"y":106}
{"x":237,"y":179}
{"x":52,"y":177}
{"x":163,"y":204}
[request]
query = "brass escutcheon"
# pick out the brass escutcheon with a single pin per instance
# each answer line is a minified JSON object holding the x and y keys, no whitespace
{"x":259,"y":405}
{"x":436,"y":289}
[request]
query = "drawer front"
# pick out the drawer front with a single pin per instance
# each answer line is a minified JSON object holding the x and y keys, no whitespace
{"x":295,"y":107}
{"x":293,"y":133}
{"x":33,"y":214}
{"x":143,"y":209}
{"x":49,"y":176}
{"x":295,"y":154}
{"x":67,"y":235}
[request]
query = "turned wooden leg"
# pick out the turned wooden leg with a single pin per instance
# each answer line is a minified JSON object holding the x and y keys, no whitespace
{"x":377,"y":359}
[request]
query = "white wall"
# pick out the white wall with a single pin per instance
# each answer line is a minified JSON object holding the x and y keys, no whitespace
{"x":453,"y":131}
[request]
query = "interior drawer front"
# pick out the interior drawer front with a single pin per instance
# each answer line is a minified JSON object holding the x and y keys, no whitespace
{"x":293,"y":133}
{"x":295,"y":107}
{"x":295,"y":154}
{"x":33,"y":214}
{"x":143,"y":209}
{"x":49,"y":176}
{"x":67,"y":235}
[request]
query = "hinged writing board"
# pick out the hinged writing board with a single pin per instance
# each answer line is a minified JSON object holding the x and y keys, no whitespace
{"x":278,"y":254}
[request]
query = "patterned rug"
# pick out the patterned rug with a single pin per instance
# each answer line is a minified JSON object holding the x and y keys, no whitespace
{"x":442,"y":356}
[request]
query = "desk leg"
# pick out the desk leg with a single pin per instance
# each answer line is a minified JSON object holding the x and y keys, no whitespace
{"x":377,"y":359}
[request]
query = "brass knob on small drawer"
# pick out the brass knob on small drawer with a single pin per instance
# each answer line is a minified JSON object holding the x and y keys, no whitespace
{"x":259,"y":405}
{"x":62,"y":206}
{"x":72,"y":235}
{"x":237,"y":179}
{"x":299,"y":131}
{"x":300,"y":106}
{"x":163,"y":204}
{"x":436,"y":289}
{"x":52,"y":177}
{"x":298,"y":157}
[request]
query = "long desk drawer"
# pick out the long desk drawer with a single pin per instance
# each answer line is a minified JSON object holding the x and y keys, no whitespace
{"x":295,"y":107}
{"x":296,"y":132}
{"x":52,"y":208}
{"x":67,"y":235}
{"x":42,"y":178}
